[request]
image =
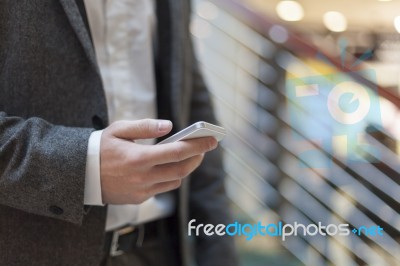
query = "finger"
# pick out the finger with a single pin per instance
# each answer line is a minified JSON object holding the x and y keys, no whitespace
{"x":164,"y":187}
{"x":141,"y":129}
{"x":174,"y":171}
{"x":179,"y":151}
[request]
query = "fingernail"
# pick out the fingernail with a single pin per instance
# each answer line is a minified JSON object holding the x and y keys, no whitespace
{"x":164,"y":125}
{"x":214,"y":144}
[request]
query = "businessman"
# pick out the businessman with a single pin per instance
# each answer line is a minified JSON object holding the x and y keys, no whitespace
{"x":85,"y":88}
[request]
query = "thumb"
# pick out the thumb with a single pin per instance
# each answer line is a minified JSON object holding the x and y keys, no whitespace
{"x":141,"y":129}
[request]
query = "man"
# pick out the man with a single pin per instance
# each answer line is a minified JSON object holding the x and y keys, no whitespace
{"x":53,"y":97}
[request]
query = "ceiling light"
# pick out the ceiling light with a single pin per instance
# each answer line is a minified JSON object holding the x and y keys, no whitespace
{"x":335,"y":21}
{"x":290,"y":10}
{"x":396,"y":23}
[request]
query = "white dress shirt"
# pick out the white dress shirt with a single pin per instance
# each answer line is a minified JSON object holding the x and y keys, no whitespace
{"x":122,"y":33}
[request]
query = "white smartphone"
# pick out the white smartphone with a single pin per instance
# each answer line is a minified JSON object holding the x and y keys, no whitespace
{"x":197,"y":130}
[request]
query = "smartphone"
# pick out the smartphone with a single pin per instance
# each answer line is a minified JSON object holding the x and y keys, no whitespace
{"x":197,"y":130}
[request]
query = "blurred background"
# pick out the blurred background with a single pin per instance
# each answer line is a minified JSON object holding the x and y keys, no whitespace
{"x":309,"y":93}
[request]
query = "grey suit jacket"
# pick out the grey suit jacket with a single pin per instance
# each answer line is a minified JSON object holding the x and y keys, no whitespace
{"x":51,"y":100}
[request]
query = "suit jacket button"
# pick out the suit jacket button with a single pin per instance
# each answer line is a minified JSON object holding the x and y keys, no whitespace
{"x":97,"y":122}
{"x":56,"y":210}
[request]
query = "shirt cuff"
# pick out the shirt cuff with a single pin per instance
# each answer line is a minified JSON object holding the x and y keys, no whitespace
{"x":92,"y":194}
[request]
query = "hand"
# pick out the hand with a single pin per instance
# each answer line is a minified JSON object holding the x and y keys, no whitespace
{"x":131,"y":173}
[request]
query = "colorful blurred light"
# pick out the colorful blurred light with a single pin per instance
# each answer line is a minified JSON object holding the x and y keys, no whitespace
{"x":278,"y":34}
{"x":396,"y":23}
{"x":335,"y":21}
{"x":290,"y":10}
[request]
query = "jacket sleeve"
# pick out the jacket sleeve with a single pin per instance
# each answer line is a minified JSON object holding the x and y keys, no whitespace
{"x":208,"y":201}
{"x":42,"y":167}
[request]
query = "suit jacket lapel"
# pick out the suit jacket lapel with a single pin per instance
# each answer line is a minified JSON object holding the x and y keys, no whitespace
{"x":77,"y":23}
